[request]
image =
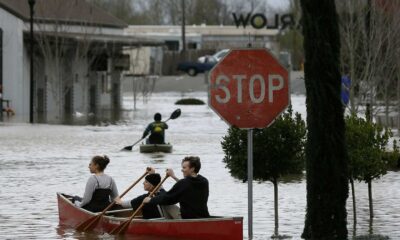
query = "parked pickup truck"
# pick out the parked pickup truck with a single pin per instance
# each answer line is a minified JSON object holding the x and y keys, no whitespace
{"x":193,"y":68}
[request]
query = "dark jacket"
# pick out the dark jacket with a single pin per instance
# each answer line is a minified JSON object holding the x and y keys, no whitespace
{"x":148,"y":210}
{"x":157,"y":132}
{"x":192,"y":195}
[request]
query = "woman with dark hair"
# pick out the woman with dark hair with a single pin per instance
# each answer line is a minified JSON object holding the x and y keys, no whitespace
{"x":100,"y":188}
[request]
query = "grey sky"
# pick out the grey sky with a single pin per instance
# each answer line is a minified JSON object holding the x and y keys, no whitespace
{"x":281,"y":4}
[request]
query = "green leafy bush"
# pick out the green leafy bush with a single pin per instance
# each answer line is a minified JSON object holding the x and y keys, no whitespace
{"x":368,"y":157}
{"x":277,"y":150}
{"x":366,"y":144}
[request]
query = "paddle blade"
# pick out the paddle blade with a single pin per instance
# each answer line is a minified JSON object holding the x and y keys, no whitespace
{"x":127,"y":148}
{"x":176,"y":114}
{"x":89,"y":224}
{"x":120,"y":229}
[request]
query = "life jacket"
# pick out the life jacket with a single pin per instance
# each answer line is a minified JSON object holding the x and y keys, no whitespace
{"x":158,"y":127}
{"x":100,"y":199}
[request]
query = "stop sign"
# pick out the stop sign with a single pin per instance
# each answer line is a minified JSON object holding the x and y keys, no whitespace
{"x":249,"y":88}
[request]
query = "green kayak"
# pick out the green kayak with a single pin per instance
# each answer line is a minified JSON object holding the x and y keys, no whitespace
{"x":152,"y":148}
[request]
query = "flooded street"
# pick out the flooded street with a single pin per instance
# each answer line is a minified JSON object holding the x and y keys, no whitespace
{"x":36,"y":161}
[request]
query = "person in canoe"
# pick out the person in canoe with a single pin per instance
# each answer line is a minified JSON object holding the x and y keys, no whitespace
{"x":191,"y":192}
{"x":156,"y":130}
{"x":149,"y":210}
{"x":100,"y":188}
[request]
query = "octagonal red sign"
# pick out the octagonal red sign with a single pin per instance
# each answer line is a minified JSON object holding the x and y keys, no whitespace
{"x":249,"y":88}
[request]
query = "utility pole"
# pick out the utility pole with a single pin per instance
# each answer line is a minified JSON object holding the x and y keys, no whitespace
{"x":31,"y":41}
{"x":183,"y":27}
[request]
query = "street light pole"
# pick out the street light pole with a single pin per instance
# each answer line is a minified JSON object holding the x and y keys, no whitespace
{"x":183,"y":27}
{"x":31,"y":41}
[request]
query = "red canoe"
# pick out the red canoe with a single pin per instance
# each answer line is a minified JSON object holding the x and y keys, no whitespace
{"x":216,"y":228}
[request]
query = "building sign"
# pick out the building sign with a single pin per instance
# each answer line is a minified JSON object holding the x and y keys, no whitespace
{"x":259,"y":21}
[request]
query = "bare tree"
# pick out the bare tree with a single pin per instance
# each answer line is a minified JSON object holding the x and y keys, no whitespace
{"x":142,"y":83}
{"x":121,"y":8}
{"x":370,"y":48}
{"x":54,"y":46}
{"x":61,"y":54}
{"x":143,"y":86}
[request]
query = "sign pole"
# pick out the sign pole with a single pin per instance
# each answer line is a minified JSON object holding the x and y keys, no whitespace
{"x":250,"y":181}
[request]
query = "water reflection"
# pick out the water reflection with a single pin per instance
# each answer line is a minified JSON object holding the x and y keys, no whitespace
{"x":64,"y":232}
{"x":36,"y":161}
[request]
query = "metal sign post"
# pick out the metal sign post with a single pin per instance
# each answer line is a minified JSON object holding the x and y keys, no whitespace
{"x":250,"y":181}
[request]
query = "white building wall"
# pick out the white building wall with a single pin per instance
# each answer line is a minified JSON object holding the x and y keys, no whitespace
{"x":104,"y":90}
{"x":53,"y":93}
{"x":105,"y":87}
{"x":16,"y":74}
{"x":139,"y":59}
{"x":15,"y":67}
{"x":81,"y":87}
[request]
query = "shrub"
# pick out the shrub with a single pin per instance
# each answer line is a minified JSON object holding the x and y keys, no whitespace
{"x":189,"y":101}
{"x":277,"y":150}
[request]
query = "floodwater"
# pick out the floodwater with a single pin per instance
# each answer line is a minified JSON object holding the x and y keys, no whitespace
{"x":36,"y":161}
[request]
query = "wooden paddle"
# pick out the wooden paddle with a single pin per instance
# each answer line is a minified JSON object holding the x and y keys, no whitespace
{"x":129,"y":148}
{"x":91,"y":223}
{"x":123,"y":226}
{"x":174,"y":115}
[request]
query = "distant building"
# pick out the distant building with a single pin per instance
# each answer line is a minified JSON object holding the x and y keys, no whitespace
{"x":207,"y":36}
{"x":203,"y":40}
{"x":78,"y":60}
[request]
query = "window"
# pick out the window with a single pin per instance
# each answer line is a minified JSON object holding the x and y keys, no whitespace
{"x":172,"y":45}
{"x":99,"y":63}
{"x":192,"y":45}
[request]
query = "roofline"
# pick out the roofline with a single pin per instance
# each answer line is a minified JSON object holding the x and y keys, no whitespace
{"x":108,"y":38}
{"x":44,"y":20}
{"x":71,"y":22}
{"x":10,"y":10}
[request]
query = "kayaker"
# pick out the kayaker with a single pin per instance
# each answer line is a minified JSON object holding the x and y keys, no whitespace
{"x":156,"y":130}
{"x":148,"y":210}
{"x":100,"y":188}
{"x":191,"y":192}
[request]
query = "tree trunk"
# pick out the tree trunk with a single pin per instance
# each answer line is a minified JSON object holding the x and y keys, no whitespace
{"x":387,"y":105}
{"x":353,"y":196}
{"x":326,"y":154}
{"x":398,"y":100}
{"x":371,"y":207}
{"x":276,"y":232}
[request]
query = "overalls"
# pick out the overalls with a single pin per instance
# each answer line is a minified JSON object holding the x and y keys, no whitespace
{"x":100,"y":199}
